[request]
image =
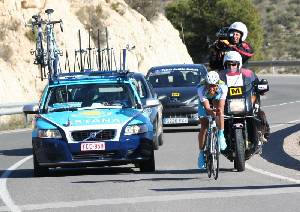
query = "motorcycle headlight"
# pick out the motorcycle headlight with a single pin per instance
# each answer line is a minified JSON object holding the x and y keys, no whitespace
{"x":136,"y":129}
{"x":49,"y":134}
{"x":236,"y":106}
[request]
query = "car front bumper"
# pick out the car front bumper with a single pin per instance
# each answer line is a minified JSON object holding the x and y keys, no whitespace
{"x":183,"y":115}
{"x":58,"y":153}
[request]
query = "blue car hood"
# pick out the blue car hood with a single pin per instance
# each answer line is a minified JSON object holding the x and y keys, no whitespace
{"x":93,"y":117}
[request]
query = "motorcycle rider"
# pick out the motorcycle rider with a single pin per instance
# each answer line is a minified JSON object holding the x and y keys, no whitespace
{"x":237,"y":34}
{"x":233,"y":65}
{"x":214,"y":90}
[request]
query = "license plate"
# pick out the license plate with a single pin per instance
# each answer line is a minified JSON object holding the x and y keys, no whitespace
{"x":92,"y":146}
{"x":175,"y":120}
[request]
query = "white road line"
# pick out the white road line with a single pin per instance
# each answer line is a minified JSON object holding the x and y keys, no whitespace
{"x":290,"y":122}
{"x":272,"y":174}
{"x":161,"y":198}
{"x":3,"y":187}
{"x":281,"y":104}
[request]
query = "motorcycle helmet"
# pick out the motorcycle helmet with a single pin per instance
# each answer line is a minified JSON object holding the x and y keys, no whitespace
{"x":241,"y":27}
{"x":233,"y":56}
{"x":212,"y":78}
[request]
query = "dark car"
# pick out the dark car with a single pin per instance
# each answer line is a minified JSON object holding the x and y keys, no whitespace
{"x":178,"y":85}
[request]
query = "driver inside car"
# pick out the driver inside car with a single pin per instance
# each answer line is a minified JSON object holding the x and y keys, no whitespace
{"x":215,"y":90}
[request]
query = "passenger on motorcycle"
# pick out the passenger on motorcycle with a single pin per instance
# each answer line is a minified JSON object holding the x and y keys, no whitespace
{"x":237,"y":34}
{"x":233,"y":65}
{"x":214,"y":90}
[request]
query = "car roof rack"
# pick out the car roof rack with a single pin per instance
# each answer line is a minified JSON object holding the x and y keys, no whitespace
{"x":88,"y":62}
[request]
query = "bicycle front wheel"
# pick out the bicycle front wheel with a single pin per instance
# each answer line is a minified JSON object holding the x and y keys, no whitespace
{"x":215,"y":154}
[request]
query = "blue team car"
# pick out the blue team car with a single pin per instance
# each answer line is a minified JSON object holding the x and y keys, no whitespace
{"x":89,"y":119}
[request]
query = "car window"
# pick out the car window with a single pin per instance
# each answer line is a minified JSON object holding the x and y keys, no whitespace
{"x":180,"y":77}
{"x":89,"y":95}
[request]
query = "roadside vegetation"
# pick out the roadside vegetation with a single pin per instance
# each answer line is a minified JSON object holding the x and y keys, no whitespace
{"x":281,"y":24}
{"x":12,"y":122}
{"x":147,"y":8}
{"x":199,"y":20}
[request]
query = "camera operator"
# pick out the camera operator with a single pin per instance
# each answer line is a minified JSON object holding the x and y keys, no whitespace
{"x":230,"y":38}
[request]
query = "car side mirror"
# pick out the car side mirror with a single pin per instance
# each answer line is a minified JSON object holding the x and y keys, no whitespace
{"x":162,"y":97}
{"x":152,"y":103}
{"x":31,"y":109}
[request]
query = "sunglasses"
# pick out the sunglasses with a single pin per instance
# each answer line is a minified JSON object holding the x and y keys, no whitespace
{"x":231,"y":64}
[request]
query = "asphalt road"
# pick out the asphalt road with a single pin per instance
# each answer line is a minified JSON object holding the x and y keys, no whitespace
{"x":271,"y":181}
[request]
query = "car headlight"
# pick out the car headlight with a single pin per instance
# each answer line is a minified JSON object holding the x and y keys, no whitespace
{"x":49,"y":134}
{"x":236,"y":106}
{"x":136,"y":129}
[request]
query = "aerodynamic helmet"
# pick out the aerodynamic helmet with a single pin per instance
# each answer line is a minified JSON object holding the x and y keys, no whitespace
{"x":212,"y":77}
{"x":241,"y":27}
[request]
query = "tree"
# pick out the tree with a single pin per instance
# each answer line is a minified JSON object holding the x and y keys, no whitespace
{"x":199,"y":20}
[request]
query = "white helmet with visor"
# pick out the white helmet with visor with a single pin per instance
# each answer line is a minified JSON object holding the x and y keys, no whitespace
{"x":241,"y":27}
{"x":232,"y":56}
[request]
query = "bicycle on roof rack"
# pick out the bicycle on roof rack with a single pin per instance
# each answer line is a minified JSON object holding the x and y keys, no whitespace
{"x":49,"y":56}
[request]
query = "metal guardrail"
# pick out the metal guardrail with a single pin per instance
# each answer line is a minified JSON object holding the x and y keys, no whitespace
{"x":274,"y":63}
{"x":13,"y":108}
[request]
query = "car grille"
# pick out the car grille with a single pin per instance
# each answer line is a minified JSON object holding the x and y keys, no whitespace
{"x":106,"y":134}
{"x":91,"y":156}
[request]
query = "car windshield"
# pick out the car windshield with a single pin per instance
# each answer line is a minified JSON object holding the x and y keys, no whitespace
{"x":89,"y":96}
{"x":175,"y":77}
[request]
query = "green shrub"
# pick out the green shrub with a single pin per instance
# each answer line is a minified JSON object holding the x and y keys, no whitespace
{"x":6,"y":52}
{"x":90,"y":17}
{"x":118,"y":8}
{"x":30,"y":35}
{"x":148,"y":8}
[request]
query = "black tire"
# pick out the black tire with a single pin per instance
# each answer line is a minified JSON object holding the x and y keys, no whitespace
{"x":239,"y":160}
{"x":156,"y":136}
{"x":39,"y":171}
{"x":161,"y":139}
{"x":215,"y":156}
{"x":208,"y":159}
{"x":148,"y":165}
{"x":208,"y":156}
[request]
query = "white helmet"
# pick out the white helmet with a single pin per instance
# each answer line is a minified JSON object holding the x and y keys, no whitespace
{"x":233,"y":56}
{"x":241,"y":27}
{"x":212,"y":77}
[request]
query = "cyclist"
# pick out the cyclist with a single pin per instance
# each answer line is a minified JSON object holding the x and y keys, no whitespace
{"x":233,"y":64}
{"x":213,"y":90}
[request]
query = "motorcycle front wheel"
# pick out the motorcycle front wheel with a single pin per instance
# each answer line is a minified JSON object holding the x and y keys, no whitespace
{"x":239,"y":159}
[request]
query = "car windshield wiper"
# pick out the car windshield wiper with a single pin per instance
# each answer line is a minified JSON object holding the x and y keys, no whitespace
{"x":63,"y":109}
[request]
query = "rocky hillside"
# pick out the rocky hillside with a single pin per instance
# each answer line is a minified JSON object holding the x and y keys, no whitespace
{"x":156,"y":42}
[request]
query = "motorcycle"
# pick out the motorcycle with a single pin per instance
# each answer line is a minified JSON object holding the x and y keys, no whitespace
{"x":241,"y":118}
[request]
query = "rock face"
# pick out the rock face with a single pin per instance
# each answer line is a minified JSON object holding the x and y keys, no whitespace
{"x":155,"y":42}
